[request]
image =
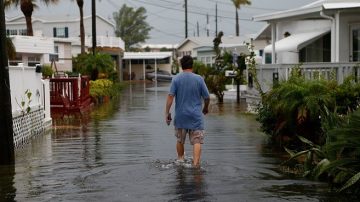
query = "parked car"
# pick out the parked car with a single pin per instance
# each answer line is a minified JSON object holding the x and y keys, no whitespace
{"x":161,"y":75}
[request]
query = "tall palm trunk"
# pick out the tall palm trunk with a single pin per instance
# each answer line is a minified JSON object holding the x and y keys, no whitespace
{"x":82,"y":28}
{"x":237,"y":22}
{"x":27,"y":8}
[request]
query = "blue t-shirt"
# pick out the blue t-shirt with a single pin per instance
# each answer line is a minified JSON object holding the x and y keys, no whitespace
{"x":189,"y":90}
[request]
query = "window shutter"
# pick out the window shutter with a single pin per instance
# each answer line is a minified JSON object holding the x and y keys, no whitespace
{"x":66,"y":32}
{"x":54,"y":31}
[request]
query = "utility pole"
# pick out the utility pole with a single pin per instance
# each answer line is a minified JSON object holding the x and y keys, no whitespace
{"x":207,"y":24}
{"x":197,"y":28}
{"x":186,"y":20}
{"x":6,"y":127}
{"x":93,"y":18}
{"x":216,"y":20}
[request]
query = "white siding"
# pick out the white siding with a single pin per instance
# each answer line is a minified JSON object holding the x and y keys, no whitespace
{"x":37,"y":45}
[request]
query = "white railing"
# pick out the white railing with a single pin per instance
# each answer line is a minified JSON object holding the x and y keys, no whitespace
{"x":266,"y":74}
{"x":106,"y":41}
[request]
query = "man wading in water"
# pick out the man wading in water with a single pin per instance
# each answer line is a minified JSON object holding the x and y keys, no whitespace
{"x":189,"y":90}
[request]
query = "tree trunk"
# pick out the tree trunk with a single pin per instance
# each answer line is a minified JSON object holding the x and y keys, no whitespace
{"x":29,"y":26}
{"x":27,"y":8}
{"x":82,"y":28}
{"x":237,"y":23}
{"x":6,"y":126}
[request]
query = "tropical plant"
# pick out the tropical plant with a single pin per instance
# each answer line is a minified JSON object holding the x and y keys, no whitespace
{"x":343,"y":148}
{"x":297,"y":107}
{"x":10,"y":48}
{"x":47,"y":71}
{"x":131,"y":25}
{"x":312,"y":157}
{"x":338,"y":160}
{"x":27,"y":7}
{"x":347,"y":96}
{"x":237,"y":4}
{"x":92,"y":65}
{"x":24,"y":104}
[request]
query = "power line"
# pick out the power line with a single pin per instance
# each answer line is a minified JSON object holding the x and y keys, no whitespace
{"x":193,"y":12}
{"x":248,"y":7}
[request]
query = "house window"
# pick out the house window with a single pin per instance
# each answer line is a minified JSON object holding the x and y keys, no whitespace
{"x":61,"y":32}
{"x":23,"y":32}
{"x":33,"y":61}
{"x":55,"y":56}
{"x":268,"y":58}
{"x":318,"y":51}
{"x":355,"y":45}
{"x":261,"y":53}
{"x":11,"y":32}
{"x":208,"y":60}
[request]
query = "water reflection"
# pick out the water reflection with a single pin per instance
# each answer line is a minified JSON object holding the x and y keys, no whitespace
{"x":7,"y":188}
{"x":190,"y":185}
{"x":123,"y":151}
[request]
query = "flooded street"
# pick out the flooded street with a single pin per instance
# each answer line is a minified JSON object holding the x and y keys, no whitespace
{"x":124,"y":151}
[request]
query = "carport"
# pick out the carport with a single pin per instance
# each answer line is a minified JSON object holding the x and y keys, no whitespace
{"x":131,"y":57}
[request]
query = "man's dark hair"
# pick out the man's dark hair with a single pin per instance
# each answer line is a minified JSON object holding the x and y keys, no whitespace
{"x":186,"y":62}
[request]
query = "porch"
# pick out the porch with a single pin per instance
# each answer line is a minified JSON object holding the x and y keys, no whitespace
{"x":69,"y":95}
{"x":267,"y":74}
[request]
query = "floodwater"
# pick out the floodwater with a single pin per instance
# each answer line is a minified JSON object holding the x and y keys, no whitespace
{"x":124,"y":151}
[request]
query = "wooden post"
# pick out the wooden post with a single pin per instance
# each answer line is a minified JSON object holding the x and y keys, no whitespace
{"x":6,"y":126}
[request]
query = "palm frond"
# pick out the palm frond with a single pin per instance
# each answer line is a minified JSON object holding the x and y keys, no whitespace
{"x":353,"y":180}
{"x":320,"y":168}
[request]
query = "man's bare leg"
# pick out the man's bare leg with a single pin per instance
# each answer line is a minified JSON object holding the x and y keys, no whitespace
{"x":180,"y":150}
{"x":196,"y":155}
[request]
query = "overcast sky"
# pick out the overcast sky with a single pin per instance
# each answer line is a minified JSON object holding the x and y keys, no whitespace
{"x":166,"y":17}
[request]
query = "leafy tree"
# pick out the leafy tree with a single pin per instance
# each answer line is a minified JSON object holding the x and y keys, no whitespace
{"x":27,"y":7}
{"x":147,"y":49}
{"x":95,"y":65}
{"x":237,"y":4}
{"x":131,"y":25}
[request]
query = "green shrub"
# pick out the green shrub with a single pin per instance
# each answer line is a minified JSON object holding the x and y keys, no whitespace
{"x":295,"y":107}
{"x":100,"y":87}
{"x":93,"y":65}
{"x":104,"y":87}
{"x":47,"y":71}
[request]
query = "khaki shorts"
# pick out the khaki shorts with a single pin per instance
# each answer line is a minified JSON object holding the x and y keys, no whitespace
{"x":195,"y":136}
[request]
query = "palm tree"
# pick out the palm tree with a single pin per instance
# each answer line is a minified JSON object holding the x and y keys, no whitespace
{"x":237,"y":4}
{"x":27,"y":7}
{"x":80,"y":4}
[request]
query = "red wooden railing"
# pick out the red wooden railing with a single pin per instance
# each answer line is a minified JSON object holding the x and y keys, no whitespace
{"x":69,"y":94}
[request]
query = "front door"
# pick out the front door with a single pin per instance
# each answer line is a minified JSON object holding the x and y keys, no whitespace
{"x":355,"y":43}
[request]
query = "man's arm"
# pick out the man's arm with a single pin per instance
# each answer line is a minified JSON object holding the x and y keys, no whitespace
{"x":206,"y":105}
{"x":169,"y":101}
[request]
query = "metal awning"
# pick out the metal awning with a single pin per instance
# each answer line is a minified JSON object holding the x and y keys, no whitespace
{"x":146,"y":55}
{"x":295,"y":42}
